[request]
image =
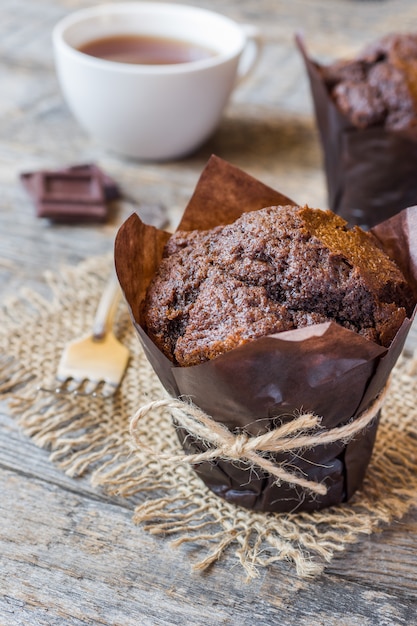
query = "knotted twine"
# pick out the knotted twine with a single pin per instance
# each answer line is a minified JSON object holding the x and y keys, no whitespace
{"x":303,"y":432}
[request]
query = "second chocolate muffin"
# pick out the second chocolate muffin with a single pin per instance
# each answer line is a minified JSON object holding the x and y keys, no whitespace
{"x":379,"y":87}
{"x":272,"y":270}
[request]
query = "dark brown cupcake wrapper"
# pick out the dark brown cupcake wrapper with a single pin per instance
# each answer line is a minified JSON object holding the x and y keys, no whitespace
{"x":371,"y":173}
{"x":325,"y":368}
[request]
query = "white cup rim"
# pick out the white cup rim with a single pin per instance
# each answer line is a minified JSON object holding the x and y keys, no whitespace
{"x":79,"y":16}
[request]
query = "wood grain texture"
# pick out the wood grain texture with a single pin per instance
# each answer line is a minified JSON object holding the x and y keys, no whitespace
{"x":69,"y":554}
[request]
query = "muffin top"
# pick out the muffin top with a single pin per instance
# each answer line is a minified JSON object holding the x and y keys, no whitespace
{"x":379,"y":87}
{"x":276,"y":269}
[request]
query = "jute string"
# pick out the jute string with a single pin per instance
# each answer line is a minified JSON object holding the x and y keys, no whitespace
{"x":242,"y":447}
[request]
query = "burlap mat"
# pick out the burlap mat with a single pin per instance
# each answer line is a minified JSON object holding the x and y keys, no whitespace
{"x":91,"y":436}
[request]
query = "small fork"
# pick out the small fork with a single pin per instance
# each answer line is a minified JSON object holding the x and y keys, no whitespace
{"x":95,"y":364}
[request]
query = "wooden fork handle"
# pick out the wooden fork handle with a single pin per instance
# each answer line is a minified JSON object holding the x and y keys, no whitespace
{"x":103,"y":320}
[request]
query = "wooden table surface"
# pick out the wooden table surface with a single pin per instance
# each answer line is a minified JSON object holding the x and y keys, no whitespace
{"x":69,"y":554}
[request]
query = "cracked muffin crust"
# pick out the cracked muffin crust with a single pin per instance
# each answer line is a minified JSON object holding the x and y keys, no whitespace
{"x":275,"y":269}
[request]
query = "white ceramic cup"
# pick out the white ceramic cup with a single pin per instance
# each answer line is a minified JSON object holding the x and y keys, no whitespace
{"x":152,"y":112}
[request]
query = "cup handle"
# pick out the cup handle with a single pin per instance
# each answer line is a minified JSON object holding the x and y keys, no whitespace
{"x":251,"y":52}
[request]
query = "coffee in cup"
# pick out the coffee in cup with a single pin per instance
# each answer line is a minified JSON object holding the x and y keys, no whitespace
{"x":151,"y":80}
{"x":145,"y":50}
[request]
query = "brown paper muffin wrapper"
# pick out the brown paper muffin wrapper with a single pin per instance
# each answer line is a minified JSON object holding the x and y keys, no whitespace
{"x":371,"y":172}
{"x":324,"y":369}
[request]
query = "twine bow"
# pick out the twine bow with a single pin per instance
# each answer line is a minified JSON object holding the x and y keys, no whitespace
{"x":300,"y":433}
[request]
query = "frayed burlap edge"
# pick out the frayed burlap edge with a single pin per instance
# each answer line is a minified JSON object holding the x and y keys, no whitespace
{"x":91,"y":436}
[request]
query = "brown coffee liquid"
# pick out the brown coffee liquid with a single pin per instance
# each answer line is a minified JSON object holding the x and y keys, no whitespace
{"x":145,"y":50}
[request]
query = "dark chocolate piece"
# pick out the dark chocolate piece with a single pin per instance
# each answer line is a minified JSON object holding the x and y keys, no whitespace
{"x":73,"y":194}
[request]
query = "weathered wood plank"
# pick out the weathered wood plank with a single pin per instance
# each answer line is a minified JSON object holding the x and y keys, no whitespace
{"x":69,"y":554}
{"x":381,"y":565}
{"x":80,"y":559}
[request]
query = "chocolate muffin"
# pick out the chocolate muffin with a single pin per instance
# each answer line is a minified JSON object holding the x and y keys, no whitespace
{"x":379,"y":87}
{"x":276,"y":269}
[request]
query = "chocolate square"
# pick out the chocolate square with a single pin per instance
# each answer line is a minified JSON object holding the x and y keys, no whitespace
{"x":77,"y":188}
{"x":74,"y":194}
